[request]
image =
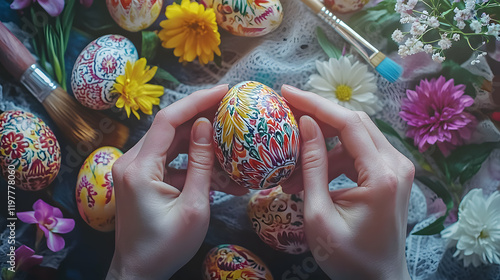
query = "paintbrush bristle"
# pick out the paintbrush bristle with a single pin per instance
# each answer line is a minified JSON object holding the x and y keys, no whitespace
{"x":80,"y":124}
{"x":389,"y":69}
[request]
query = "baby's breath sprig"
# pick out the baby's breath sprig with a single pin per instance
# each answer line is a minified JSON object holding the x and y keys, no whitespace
{"x":435,"y":25}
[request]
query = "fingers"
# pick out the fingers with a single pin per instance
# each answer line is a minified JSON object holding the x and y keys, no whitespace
{"x":200,"y":163}
{"x":314,"y":163}
{"x":161,"y":134}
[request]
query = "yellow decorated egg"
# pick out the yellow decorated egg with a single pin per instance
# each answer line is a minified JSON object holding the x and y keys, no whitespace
{"x":278,"y":219}
{"x":134,"y":15}
{"x":256,"y":136}
{"x":97,"y":67}
{"x":234,"y":262}
{"x":30,"y":156}
{"x":95,"y":196}
{"x":249,"y":18}
{"x":345,"y":6}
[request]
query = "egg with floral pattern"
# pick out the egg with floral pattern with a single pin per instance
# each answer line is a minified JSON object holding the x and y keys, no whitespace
{"x":30,"y":156}
{"x":97,"y":67}
{"x":134,"y":15}
{"x":248,"y":18}
{"x":345,"y":6}
{"x":278,"y":219}
{"x":229,"y":261}
{"x":256,"y":136}
{"x":95,"y":196}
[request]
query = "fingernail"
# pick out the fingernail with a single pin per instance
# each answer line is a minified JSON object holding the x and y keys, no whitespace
{"x":202,"y":133}
{"x":308,"y":129}
{"x":226,"y":86}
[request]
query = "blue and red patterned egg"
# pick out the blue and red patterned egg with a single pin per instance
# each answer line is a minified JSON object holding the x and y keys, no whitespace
{"x":134,"y":15}
{"x":278,"y":219}
{"x":229,"y":261}
{"x":345,"y":6}
{"x":251,"y":18}
{"x":256,"y":136}
{"x":95,"y":196}
{"x":97,"y":67}
{"x":30,"y":156}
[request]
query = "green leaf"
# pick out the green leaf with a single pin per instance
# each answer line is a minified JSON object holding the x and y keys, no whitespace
{"x":451,"y":69}
{"x":178,"y":2}
{"x":161,"y":74}
{"x":387,"y":129}
{"x":466,"y":160}
{"x":326,"y":45}
{"x":150,"y":43}
{"x":218,"y":60}
{"x":442,"y":193}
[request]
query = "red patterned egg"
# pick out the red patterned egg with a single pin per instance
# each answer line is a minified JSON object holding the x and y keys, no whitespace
{"x":95,"y":196}
{"x":134,"y":15}
{"x":256,"y":136}
{"x":278,"y":219}
{"x":228,"y":261}
{"x":249,"y":18}
{"x":97,"y":67}
{"x":345,"y":6}
{"x":30,"y":156}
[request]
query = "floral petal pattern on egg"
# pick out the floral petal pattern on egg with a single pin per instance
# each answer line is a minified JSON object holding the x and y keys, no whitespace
{"x":134,"y":15}
{"x":228,"y":261}
{"x":346,"y":6}
{"x":29,"y":149}
{"x":97,"y":67}
{"x":256,"y":136}
{"x":249,"y":18}
{"x":278,"y":219}
{"x":95,"y":196}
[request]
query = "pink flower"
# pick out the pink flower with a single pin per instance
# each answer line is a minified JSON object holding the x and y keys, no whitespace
{"x":53,"y":7}
{"x":50,"y":221}
{"x":435,"y":114}
{"x":26,"y":258}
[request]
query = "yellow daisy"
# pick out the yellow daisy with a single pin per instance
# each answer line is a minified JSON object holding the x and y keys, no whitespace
{"x":191,"y":30}
{"x":134,"y":91}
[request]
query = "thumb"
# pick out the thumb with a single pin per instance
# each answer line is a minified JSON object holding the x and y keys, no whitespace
{"x":314,"y":163}
{"x":200,"y":162}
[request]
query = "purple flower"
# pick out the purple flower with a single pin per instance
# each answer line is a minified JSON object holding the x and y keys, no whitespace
{"x":53,"y":7}
{"x":50,"y":221}
{"x":86,"y":3}
{"x":26,"y":258}
{"x":435,"y":114}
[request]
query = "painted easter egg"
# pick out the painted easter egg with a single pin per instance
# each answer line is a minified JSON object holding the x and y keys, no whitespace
{"x":97,"y":67}
{"x":234,"y":262}
{"x":278,"y":219}
{"x":345,"y":6}
{"x":256,"y":136}
{"x":251,"y":18}
{"x":134,"y":15}
{"x":95,"y":196}
{"x":30,"y":156}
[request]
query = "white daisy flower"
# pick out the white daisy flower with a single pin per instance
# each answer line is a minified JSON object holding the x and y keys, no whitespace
{"x":476,"y":234}
{"x":346,"y":82}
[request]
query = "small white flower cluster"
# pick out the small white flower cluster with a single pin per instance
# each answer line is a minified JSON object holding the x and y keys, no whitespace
{"x":423,"y":21}
{"x":476,"y":61}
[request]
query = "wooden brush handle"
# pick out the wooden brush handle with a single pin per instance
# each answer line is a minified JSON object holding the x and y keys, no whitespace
{"x":13,"y":54}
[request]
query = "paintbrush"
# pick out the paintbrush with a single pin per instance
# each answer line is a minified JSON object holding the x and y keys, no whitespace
{"x":78,"y":123}
{"x":382,"y":64}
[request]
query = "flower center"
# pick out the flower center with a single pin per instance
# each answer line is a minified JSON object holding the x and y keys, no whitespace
{"x":50,"y":223}
{"x":344,"y":93}
{"x":484,"y":234}
{"x":197,"y":26}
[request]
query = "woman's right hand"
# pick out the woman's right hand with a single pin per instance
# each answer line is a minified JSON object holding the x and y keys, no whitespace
{"x":355,"y":233}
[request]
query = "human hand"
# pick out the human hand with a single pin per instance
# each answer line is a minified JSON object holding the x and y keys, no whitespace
{"x":355,"y":233}
{"x":162,"y":218}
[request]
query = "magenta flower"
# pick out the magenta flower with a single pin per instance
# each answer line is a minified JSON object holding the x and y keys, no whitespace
{"x":26,"y":258}
{"x":435,"y":114}
{"x":50,"y":221}
{"x":53,"y":7}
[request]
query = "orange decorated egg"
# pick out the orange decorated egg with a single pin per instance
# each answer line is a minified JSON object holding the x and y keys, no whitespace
{"x":256,"y":136}
{"x":30,"y":156}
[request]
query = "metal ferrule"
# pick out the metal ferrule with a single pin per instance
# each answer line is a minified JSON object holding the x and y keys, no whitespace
{"x":38,"y":82}
{"x":364,"y":47}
